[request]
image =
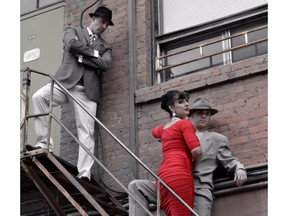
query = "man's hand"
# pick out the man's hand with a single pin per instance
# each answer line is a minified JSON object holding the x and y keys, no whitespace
{"x":80,"y":58}
{"x":96,"y":53}
{"x":240,"y":177}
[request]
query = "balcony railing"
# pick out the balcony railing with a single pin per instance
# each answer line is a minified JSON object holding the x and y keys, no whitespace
{"x":161,"y":64}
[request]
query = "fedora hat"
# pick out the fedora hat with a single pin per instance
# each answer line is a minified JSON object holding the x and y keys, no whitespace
{"x":103,"y":12}
{"x":201,"y":103}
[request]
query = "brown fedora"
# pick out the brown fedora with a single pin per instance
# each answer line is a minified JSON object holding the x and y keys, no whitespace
{"x":201,"y":103}
{"x":103,"y":12}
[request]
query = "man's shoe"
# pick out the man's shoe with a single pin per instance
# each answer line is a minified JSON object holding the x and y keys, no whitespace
{"x":85,"y":178}
{"x":31,"y":148}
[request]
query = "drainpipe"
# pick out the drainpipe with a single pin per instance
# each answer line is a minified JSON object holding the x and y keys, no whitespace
{"x":132,"y":88}
{"x":244,"y":188}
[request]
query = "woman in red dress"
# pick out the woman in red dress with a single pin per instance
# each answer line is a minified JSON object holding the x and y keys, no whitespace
{"x":180,"y":147}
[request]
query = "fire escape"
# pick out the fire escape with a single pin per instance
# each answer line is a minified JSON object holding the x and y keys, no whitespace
{"x":42,"y":169}
{"x":57,"y":180}
{"x":49,"y":173}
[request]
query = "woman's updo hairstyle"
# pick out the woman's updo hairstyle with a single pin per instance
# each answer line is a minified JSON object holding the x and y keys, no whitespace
{"x":170,"y":98}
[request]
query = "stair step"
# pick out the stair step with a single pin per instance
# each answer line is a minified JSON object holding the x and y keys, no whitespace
{"x":97,"y":191}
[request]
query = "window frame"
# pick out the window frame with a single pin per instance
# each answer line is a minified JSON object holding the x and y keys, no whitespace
{"x":203,"y":31}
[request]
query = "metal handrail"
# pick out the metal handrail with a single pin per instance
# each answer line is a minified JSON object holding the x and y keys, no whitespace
{"x":159,"y":66}
{"x":112,"y":135}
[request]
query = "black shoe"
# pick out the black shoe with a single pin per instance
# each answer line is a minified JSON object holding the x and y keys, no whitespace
{"x":31,"y":148}
{"x":85,"y":178}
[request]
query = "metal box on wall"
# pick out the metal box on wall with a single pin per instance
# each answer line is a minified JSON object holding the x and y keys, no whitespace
{"x":41,"y":50}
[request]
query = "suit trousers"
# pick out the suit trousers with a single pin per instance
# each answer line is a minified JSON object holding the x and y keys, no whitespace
{"x":84,"y":122}
{"x":203,"y":201}
{"x":144,"y":192}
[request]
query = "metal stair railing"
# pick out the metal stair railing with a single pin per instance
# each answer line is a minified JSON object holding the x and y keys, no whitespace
{"x":26,"y":83}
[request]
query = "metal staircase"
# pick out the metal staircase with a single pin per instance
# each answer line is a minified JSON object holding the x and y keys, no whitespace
{"x":51,"y":174}
{"x":44,"y":169}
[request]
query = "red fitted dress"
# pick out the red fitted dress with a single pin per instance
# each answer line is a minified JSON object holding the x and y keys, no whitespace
{"x":176,"y":169}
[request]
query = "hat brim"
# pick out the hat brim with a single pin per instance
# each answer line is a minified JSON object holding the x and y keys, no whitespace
{"x":101,"y":15}
{"x":213,"y":111}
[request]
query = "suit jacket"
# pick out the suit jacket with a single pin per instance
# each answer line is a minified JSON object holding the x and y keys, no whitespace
{"x":215,"y":151}
{"x":77,"y":42}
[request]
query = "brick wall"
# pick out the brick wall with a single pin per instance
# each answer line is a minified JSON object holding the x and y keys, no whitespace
{"x":113,"y":111}
{"x":238,"y":91}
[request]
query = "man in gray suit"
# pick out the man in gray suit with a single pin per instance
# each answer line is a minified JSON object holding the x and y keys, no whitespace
{"x":215,"y":151}
{"x":86,"y":55}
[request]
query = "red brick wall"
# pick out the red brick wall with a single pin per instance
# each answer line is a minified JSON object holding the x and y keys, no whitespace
{"x":239,"y":91}
{"x":113,"y":111}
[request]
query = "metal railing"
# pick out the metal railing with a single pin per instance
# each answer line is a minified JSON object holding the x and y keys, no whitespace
{"x":24,"y":127}
{"x":160,"y":66}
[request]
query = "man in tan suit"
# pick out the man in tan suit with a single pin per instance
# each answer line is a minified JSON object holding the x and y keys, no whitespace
{"x":86,"y":55}
{"x":215,"y":151}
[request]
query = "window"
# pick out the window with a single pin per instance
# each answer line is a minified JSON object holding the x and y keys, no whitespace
{"x":208,"y":44}
{"x":252,"y":50}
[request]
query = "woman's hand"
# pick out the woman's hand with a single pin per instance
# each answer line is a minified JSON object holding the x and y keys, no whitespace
{"x":196,"y":154}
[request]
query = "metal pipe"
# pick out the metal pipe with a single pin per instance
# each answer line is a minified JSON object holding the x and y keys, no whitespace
{"x":26,"y":89}
{"x":81,"y":16}
{"x":243,"y":188}
{"x":50,"y":112}
{"x":132,"y":68}
{"x":232,"y":184}
{"x":158,"y":198}
{"x":257,"y":166}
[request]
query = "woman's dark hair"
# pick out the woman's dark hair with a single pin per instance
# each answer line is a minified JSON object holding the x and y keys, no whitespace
{"x":170,"y":98}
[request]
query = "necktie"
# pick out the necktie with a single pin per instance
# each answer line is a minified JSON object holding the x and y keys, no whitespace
{"x":92,"y":38}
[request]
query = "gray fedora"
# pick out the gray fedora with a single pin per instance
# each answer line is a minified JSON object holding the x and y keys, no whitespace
{"x":103,"y":12}
{"x":202,"y":103}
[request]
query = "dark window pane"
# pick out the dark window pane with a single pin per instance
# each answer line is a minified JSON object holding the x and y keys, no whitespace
{"x":217,"y":60}
{"x":257,"y":35}
{"x":213,"y":49}
{"x":244,"y":53}
{"x":254,"y":49}
{"x":192,"y":55}
{"x":262,"y":48}
{"x":237,"y":41}
{"x":183,"y":57}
